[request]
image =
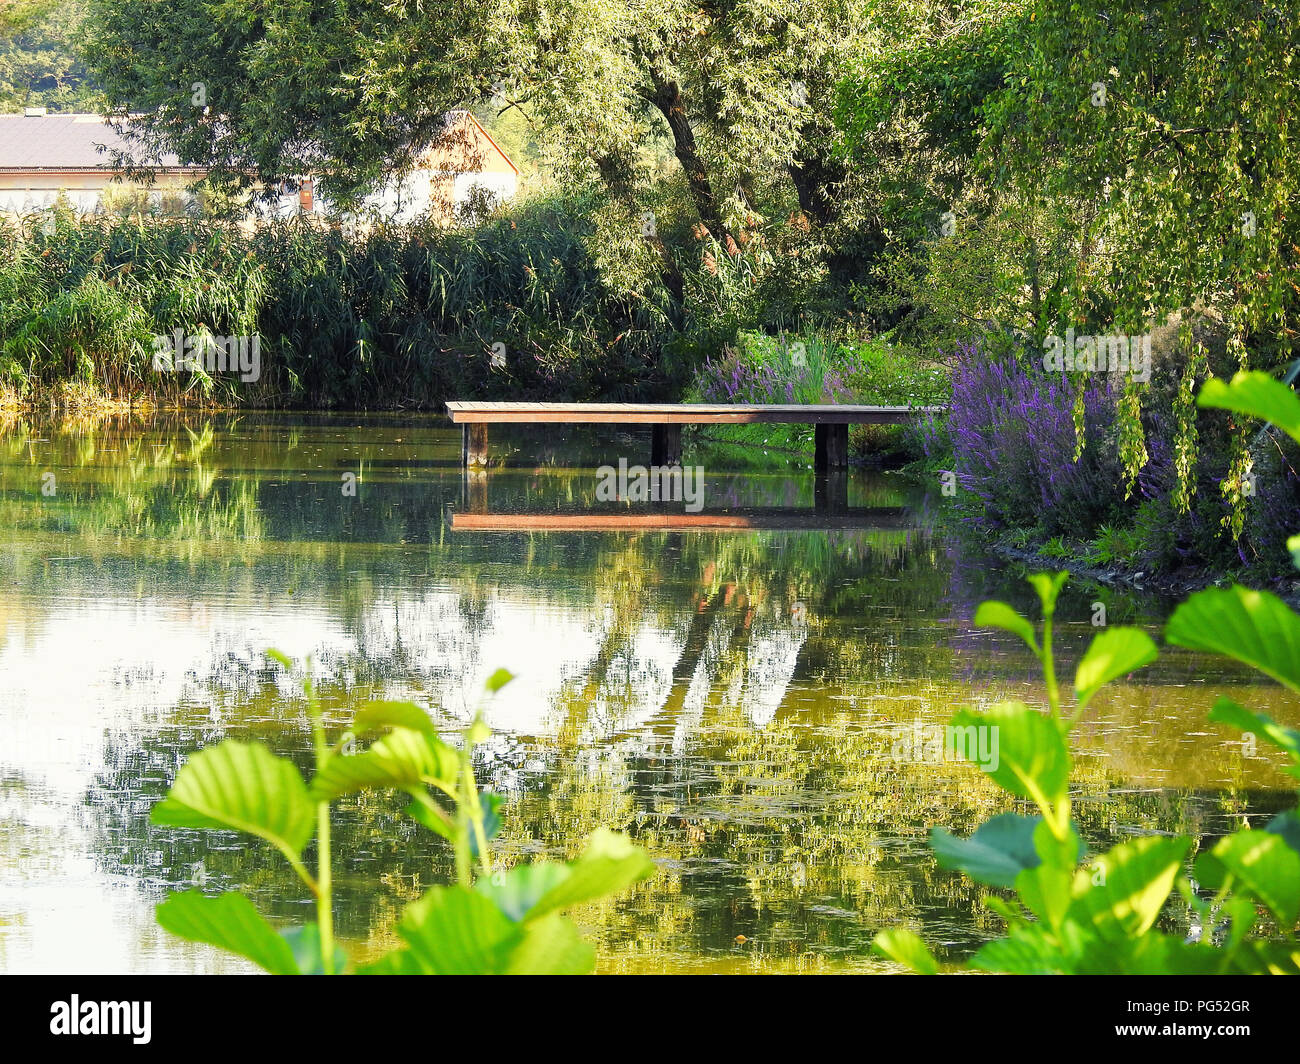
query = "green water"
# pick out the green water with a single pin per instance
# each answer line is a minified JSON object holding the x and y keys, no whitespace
{"x":732,"y":699}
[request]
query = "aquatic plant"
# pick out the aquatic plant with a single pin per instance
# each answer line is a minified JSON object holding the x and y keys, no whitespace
{"x":489,"y":921}
{"x":1080,"y":914}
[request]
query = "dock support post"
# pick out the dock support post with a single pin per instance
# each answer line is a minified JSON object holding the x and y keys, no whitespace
{"x":831,"y":491}
{"x":474,"y":444}
{"x":666,"y":445}
{"x":474,"y":494}
{"x":831,"y":448}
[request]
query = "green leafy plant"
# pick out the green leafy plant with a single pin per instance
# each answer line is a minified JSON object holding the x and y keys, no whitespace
{"x":1078,"y":914}
{"x":490,"y":921}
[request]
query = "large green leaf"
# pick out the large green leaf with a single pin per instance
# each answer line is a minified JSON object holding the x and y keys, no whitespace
{"x":609,"y":863}
{"x":452,"y":931}
{"x":1226,"y":711}
{"x":907,"y":948}
{"x":376,"y":715}
{"x":1031,"y":753}
{"x":1114,"y":653}
{"x":1135,"y":878}
{"x":1253,"y":627}
{"x":230,"y":922}
{"x":403,"y":759}
{"x":242,"y":786}
{"x":1027,"y":950}
{"x":519,"y":890}
{"x":1046,"y":887}
{"x":994,"y":614}
{"x":308,"y":950}
{"x":998,"y":851}
{"x":552,"y":945}
{"x":1260,"y":863}
{"x":1268,"y":958}
{"x":1150,"y":954}
{"x":1257,"y":394}
{"x":1287,"y":825}
{"x":424,"y":810}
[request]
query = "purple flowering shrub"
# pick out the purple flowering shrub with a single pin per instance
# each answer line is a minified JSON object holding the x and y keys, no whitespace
{"x":764,"y":369}
{"x":1011,"y":431}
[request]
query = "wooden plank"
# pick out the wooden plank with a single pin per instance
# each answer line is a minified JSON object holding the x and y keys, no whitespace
{"x":683,"y":413}
{"x":732,"y":521}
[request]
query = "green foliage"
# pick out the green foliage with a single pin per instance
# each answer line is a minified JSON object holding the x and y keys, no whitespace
{"x":712,"y":121}
{"x":245,"y":787}
{"x":402,"y":315}
{"x":38,"y":62}
{"x":492,"y":922}
{"x":1102,"y":916}
{"x":1258,"y":395}
{"x":1113,"y":653}
{"x":230,"y":922}
{"x":907,"y":948}
{"x":887,"y":374}
{"x":1189,"y":122}
{"x":996,"y":854}
{"x":1250,"y":626}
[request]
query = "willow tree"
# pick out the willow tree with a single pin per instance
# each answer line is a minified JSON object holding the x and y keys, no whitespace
{"x":911,"y":112}
{"x":1165,"y":128}
{"x":706,"y":126}
{"x":17,"y":15}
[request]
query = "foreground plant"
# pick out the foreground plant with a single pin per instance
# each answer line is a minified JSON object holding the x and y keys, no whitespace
{"x":1077,"y":914}
{"x":488,"y":922}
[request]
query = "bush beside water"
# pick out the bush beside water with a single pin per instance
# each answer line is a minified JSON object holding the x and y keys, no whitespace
{"x":400,"y":317}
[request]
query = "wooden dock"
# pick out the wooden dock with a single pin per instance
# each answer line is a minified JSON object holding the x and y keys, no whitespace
{"x":831,"y":423}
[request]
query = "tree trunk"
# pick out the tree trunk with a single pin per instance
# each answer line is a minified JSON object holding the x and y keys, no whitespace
{"x":667,"y":97}
{"x":814,"y":179}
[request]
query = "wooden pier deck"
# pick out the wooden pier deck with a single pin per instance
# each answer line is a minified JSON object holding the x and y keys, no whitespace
{"x":831,"y":423}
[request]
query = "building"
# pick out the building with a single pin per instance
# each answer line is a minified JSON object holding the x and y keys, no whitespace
{"x":43,"y":156}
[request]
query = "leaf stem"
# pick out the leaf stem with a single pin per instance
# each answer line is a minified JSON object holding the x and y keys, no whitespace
{"x":1049,"y":666}
{"x":324,"y":871}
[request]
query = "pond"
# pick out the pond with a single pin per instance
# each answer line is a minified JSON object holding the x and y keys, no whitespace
{"x":738,"y":700}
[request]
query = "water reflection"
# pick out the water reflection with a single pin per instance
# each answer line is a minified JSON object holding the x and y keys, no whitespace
{"x":730,"y":699}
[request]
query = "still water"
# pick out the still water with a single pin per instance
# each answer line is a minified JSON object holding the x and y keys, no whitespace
{"x":733,"y":699}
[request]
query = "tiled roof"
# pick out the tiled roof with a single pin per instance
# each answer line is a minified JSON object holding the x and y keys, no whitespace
{"x":60,"y":142}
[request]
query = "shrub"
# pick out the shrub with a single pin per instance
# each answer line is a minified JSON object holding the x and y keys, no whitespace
{"x":397,"y":316}
{"x":1011,"y":429}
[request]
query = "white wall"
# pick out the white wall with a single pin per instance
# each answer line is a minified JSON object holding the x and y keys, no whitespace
{"x":407,"y":199}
